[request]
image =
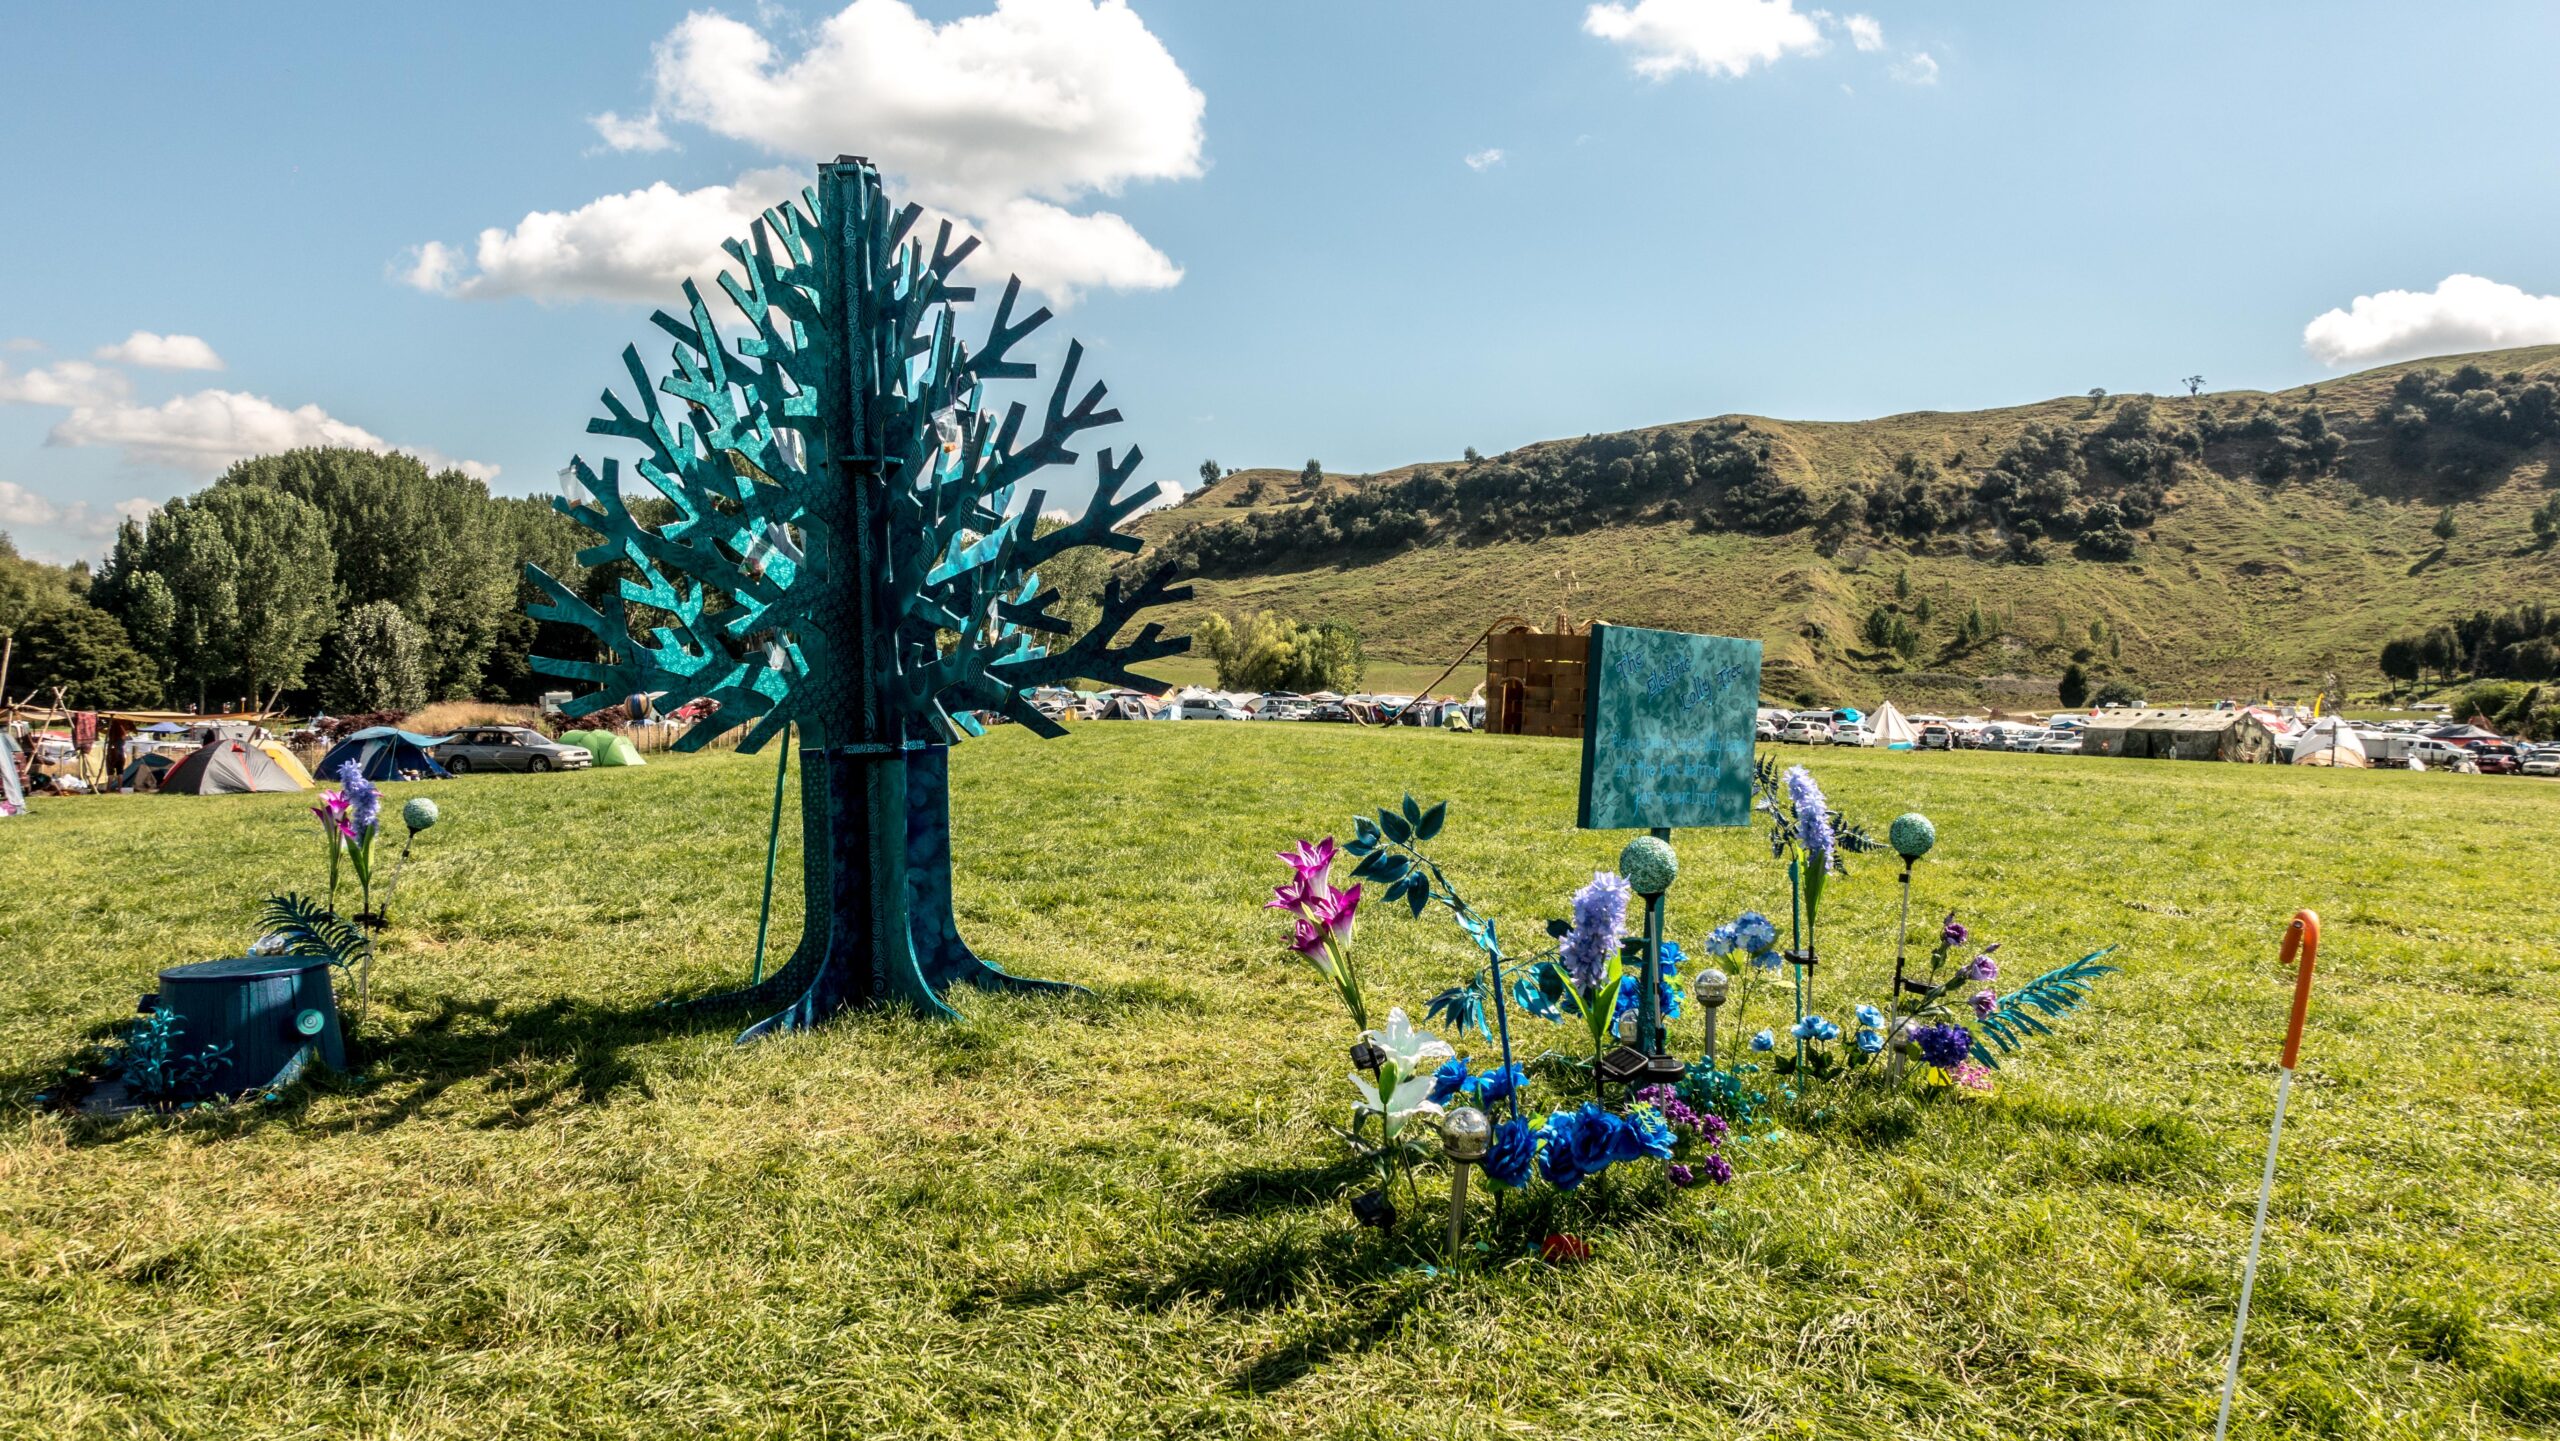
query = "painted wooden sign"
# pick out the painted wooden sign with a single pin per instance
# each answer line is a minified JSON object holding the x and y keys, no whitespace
{"x":1667,"y":729}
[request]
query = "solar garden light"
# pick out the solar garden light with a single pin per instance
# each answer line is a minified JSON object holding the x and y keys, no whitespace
{"x":419,"y":814}
{"x":2301,"y":938}
{"x":1650,"y":866}
{"x":1465,"y":1135}
{"x":1711,"y":988}
{"x":1912,"y":835}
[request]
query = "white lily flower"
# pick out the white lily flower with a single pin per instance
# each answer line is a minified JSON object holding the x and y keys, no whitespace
{"x":1407,"y":1047}
{"x":1410,"y":1097}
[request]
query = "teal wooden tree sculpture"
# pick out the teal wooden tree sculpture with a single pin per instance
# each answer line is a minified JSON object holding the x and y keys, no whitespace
{"x":845,"y":557}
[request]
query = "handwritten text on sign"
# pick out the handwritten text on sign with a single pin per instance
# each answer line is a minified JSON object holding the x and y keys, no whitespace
{"x":1667,"y":729}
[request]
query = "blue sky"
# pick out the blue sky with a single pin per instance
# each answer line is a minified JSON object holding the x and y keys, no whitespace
{"x":1367,"y":231}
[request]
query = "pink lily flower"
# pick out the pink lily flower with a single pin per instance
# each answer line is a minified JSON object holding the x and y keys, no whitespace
{"x":1334,"y":912}
{"x":1313,"y":861}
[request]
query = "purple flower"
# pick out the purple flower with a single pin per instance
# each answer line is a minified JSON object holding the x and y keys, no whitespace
{"x":1682,"y":1175}
{"x":363,"y":800}
{"x":1813,"y":815}
{"x":1718,"y":1169}
{"x":1944,"y":1047}
{"x":1599,"y":925}
{"x":1955,"y":933}
{"x":1985,"y":1001}
{"x":1983,"y":968}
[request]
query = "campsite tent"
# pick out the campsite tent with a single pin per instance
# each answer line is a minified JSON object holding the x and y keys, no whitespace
{"x":2330,"y":743}
{"x":13,"y":801}
{"x":143,"y":773}
{"x":385,"y":753}
{"x":607,"y":747}
{"x":226,"y":768}
{"x":288,"y":762}
{"x":1892,"y":731}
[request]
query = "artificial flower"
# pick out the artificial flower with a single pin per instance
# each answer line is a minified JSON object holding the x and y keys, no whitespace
{"x":1757,"y":933}
{"x":1985,"y":1001}
{"x":1449,"y":1079}
{"x":1944,"y":1047}
{"x":1599,"y":925}
{"x":1815,"y":1028}
{"x":1496,"y":1084}
{"x":1972,"y":1075}
{"x":1871,"y":1017}
{"x":1313,"y":861}
{"x":1405,"y":1046}
{"x":1639,"y":1133}
{"x":1870,"y":1041}
{"x":1813,"y":816}
{"x":1717,"y":1168}
{"x":1333,"y":911}
{"x":1681,"y":1175}
{"x":1723,"y":940}
{"x":1514,"y":1147}
{"x":1983,"y":967}
{"x":1412,"y":1095}
{"x":1955,"y":933}
{"x":1764,"y":1042}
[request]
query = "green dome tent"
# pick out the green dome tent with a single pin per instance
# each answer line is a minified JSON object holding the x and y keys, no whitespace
{"x":608,"y":748}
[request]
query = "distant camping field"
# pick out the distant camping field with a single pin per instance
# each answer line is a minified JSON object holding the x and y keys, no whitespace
{"x":548,"y":1204}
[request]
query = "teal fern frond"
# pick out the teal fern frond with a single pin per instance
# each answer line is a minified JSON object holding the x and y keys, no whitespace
{"x":2054,"y":994}
{"x":309,"y":928}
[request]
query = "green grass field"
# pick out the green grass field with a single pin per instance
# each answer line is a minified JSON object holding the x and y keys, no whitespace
{"x":547,"y":1208}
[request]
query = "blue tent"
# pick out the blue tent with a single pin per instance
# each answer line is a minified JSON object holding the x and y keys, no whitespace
{"x":383,"y":753}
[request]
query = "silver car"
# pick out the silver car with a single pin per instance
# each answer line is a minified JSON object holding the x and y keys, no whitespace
{"x":508,"y":748}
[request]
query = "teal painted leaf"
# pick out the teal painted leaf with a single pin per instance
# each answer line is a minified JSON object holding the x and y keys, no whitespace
{"x":1428,"y":825}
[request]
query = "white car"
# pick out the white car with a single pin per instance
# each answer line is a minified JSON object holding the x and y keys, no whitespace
{"x":2544,"y":762}
{"x":1210,"y":710}
{"x":1807,"y":731}
{"x":2060,"y":741}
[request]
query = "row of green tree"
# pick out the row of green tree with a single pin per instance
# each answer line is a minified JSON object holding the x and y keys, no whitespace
{"x":1271,"y":651}
{"x":2521,"y":642}
{"x":341,"y":578}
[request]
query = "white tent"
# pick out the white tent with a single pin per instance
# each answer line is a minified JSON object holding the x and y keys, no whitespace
{"x":1891,"y":730}
{"x":2329,"y":743}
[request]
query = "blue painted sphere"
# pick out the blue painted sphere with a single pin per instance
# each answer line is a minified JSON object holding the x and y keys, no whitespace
{"x":418,"y":814}
{"x":1913,"y":835}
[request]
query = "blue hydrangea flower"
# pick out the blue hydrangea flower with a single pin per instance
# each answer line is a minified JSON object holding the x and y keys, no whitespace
{"x":1723,"y":939}
{"x":1514,"y":1147}
{"x":1870,"y":1040}
{"x":1764,"y":1042}
{"x":1815,"y":1028}
{"x":1757,"y":932}
{"x":1871,"y":1017}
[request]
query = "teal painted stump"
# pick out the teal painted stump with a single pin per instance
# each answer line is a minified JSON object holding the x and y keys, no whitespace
{"x":267,"y":1007}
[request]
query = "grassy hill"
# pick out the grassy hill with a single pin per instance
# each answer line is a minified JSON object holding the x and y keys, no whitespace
{"x":2238,"y":585}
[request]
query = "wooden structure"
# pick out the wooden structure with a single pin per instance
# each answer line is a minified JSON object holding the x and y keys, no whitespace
{"x":1533,"y":679}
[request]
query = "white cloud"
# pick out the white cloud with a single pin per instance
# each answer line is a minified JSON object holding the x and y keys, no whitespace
{"x":1864,"y":32}
{"x":1000,"y":120}
{"x":65,"y":382}
{"x":206,"y":431}
{"x":1719,"y":37}
{"x":22,"y":507}
{"x":638,"y":245}
{"x":2463,"y":312}
{"x":162,"y":352}
{"x":1485,"y":159}
{"x":22,"y":343}
{"x":1917,"y":68}
{"x":639,"y":132}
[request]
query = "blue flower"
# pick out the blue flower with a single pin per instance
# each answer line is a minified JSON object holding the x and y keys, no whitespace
{"x":1449,"y":1079}
{"x":1722,"y":940}
{"x":364,"y":800}
{"x":1639,"y":1133}
{"x":1870,"y":1040}
{"x":1575,"y":1144}
{"x":1813,"y":815}
{"x":1514,"y":1147}
{"x":1870,"y":1016}
{"x":1757,"y":932}
{"x":1764,"y":1042}
{"x":1944,"y":1047}
{"x":1815,"y":1028}
{"x":1496,"y":1084}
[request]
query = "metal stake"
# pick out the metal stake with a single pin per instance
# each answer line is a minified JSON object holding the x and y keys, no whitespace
{"x":2303,"y":936}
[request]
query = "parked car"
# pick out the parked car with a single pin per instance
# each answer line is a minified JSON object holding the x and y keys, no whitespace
{"x":508,"y":748}
{"x":1211,"y":710}
{"x":1332,"y":710}
{"x":2544,"y":762}
{"x":2497,"y":758}
{"x":1937,"y":738}
{"x":2060,"y":741}
{"x":1807,"y":730}
{"x":2440,"y":755}
{"x":2006,"y":736}
{"x":1279,"y":707}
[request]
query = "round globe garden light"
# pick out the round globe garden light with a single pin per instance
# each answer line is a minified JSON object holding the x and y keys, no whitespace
{"x":1650,"y":866}
{"x":1912,"y":835}
{"x":1466,"y":1134}
{"x":1711,"y":988}
{"x":418,"y":814}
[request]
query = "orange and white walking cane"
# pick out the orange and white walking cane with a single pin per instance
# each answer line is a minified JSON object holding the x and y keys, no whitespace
{"x":2301,"y":939}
